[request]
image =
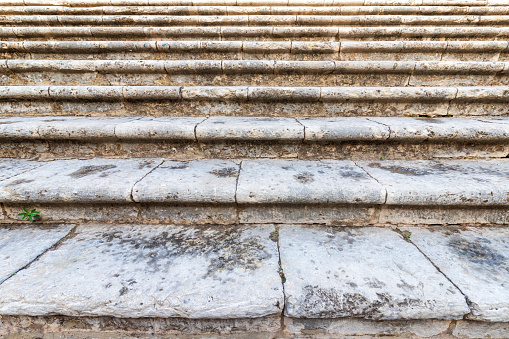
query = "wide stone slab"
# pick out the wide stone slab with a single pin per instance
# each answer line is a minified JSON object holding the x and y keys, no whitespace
{"x":298,"y":181}
{"x":203,"y":181}
{"x":477,"y":261}
{"x":94,"y":180}
{"x":20,"y":245}
{"x":137,"y":271}
{"x":448,"y":182}
{"x":341,"y":129}
{"x":370,"y":273}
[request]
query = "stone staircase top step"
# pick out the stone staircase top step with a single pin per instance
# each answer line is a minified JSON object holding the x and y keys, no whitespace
{"x":270,"y":181}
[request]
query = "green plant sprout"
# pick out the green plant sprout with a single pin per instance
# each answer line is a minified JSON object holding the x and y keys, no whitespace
{"x":30,"y":215}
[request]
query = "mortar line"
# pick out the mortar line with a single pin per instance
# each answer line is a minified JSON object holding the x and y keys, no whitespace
{"x":467,"y":299}
{"x":56,"y":245}
{"x":153,"y":169}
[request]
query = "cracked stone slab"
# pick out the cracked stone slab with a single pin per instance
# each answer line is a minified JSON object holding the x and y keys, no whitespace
{"x":249,"y":128}
{"x":20,"y":245}
{"x":12,"y":167}
{"x":137,"y":271}
{"x":300,"y":181}
{"x":94,"y":180}
{"x":477,"y":261}
{"x":369,"y":273}
{"x":204,"y":181}
{"x":447,"y":182}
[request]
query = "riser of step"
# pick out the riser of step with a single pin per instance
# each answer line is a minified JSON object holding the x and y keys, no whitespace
{"x":252,"y":20}
{"x":92,"y":3}
{"x":258,"y":33}
{"x":199,"y":138}
{"x":239,"y":10}
{"x":253,"y":101}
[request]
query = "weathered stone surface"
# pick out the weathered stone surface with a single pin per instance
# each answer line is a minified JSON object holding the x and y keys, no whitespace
{"x":20,"y":245}
{"x":370,"y":273}
{"x":166,"y":128}
{"x":95,"y":180}
{"x":205,"y":181}
{"x":80,"y":128}
{"x":339,"y":129}
{"x":480,"y":182}
{"x":158,"y":271}
{"x":297,"y":181}
{"x":12,"y":167}
{"x":478,"y":329}
{"x":224,"y":128}
{"x":477,"y":261}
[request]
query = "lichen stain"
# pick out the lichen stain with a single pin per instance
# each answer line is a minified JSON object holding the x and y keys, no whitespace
{"x":225,"y":172}
{"x":478,"y":252}
{"x":224,"y":247}
{"x":90,"y":170}
{"x":304,"y":177}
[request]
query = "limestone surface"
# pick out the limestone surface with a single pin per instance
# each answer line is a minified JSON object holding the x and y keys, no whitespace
{"x":479,"y":182}
{"x":135,"y":271}
{"x":12,"y":167}
{"x":20,"y":245}
{"x":369,"y":273}
{"x":477,"y":261}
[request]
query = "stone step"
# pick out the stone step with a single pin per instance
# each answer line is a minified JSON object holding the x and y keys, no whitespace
{"x":184,"y":138}
{"x":23,"y":72}
{"x":260,"y":50}
{"x":254,"y":101}
{"x":252,"y":10}
{"x":318,"y":33}
{"x":253,"y":20}
{"x":336,"y":192}
{"x":256,"y":281}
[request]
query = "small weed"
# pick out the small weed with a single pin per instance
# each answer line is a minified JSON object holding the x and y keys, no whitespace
{"x":382,"y":158}
{"x":282,"y":275}
{"x":274,"y":236}
{"x":404,"y":234}
{"x":30,"y":215}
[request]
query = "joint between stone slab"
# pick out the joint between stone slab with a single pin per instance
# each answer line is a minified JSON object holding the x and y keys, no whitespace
{"x":70,"y":234}
{"x":195,"y":128}
{"x":381,"y":123}
{"x":467,"y":299}
{"x":281,"y":273}
{"x":132,"y":188}
{"x":236,"y":189}
{"x":385,"y":188}
{"x":303,"y":129}
{"x":445,"y":50}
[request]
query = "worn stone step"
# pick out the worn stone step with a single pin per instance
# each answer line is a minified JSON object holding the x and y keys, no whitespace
{"x":383,"y":192}
{"x":254,"y":101}
{"x":318,"y":281}
{"x":318,"y":33}
{"x":183,"y":138}
{"x":252,"y":10}
{"x":259,"y":50}
{"x":252,"y":20}
{"x":255,"y":72}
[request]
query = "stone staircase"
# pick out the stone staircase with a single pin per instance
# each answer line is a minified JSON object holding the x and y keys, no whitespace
{"x":254,"y":168}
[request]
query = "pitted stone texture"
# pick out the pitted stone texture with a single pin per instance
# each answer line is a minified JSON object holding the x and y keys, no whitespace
{"x":201,"y":181}
{"x":137,"y":271}
{"x":477,"y":261}
{"x":298,"y":181}
{"x":370,"y":273}
{"x":480,"y":182}
{"x":444,"y":129}
{"x":224,"y":128}
{"x":80,"y":128}
{"x":165,"y":128}
{"x":21,"y":245}
{"x":337,"y":129}
{"x":12,"y":167}
{"x":96,"y":180}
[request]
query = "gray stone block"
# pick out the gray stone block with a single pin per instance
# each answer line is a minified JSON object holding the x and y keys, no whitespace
{"x":135,"y":271}
{"x":477,"y":261}
{"x":369,"y":273}
{"x":306,"y":182}
{"x":161,"y":128}
{"x":342,"y":129}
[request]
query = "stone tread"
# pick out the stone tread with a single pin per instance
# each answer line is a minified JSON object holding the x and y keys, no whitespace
{"x":227,"y":272}
{"x":215,"y":129}
{"x":414,"y":183}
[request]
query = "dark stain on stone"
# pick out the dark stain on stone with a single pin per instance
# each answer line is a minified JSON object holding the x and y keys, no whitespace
{"x":90,"y":170}
{"x":225,"y":172}
{"x":479,"y":252}
{"x":224,"y":248}
{"x":431,"y":120}
{"x":304,"y":177}
{"x":123,"y":290}
{"x":179,"y":166}
{"x":145,"y":164}
{"x":20,"y":181}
